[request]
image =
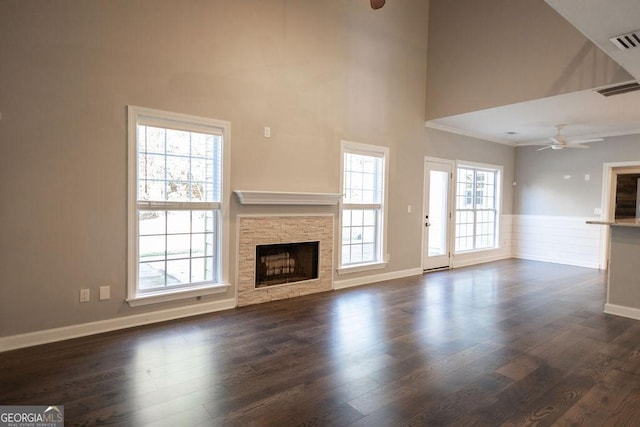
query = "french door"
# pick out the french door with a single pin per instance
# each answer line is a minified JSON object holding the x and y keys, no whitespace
{"x":438,"y":177}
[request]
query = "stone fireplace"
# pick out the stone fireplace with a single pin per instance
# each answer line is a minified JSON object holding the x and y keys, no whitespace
{"x":283,"y":256}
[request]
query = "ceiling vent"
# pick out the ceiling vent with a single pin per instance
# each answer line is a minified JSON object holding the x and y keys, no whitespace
{"x":620,"y":89}
{"x":627,"y":41}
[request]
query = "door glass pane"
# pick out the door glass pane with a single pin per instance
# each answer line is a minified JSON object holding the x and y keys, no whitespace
{"x":437,"y":239}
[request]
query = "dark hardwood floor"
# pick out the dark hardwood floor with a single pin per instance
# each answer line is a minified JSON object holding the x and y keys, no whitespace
{"x":507,"y":343}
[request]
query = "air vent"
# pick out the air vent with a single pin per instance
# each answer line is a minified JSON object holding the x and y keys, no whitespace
{"x":620,"y":89}
{"x":627,"y":41}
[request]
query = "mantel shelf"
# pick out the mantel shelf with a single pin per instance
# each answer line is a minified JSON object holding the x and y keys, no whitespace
{"x":286,"y":198}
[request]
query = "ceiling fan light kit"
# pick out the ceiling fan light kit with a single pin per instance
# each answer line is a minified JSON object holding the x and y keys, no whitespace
{"x":377,"y":4}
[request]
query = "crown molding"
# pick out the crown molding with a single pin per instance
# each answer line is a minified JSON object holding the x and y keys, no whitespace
{"x":463,"y":132}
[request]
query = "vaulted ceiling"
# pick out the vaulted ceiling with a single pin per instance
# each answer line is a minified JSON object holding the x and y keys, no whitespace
{"x":586,"y":113}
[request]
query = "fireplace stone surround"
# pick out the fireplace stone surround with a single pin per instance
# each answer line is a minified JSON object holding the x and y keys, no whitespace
{"x":256,"y":230}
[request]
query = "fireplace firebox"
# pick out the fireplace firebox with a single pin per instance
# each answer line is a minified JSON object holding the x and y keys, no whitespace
{"x":284,"y":263}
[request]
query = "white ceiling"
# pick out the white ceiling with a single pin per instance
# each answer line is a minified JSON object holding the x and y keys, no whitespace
{"x":599,"y":20}
{"x":586,"y":114}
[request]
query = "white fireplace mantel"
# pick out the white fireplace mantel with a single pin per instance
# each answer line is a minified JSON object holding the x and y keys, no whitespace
{"x":286,"y":198}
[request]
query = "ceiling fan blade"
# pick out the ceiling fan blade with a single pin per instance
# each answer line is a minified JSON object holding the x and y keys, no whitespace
{"x":584,"y":141}
{"x":559,"y":141}
{"x":377,"y":4}
{"x":572,"y":145}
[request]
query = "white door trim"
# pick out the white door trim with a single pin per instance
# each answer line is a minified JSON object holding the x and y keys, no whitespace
{"x":452,"y":163}
{"x":608,"y":204}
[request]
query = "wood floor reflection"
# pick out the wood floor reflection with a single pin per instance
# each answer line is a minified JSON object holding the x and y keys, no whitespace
{"x":506,"y":343}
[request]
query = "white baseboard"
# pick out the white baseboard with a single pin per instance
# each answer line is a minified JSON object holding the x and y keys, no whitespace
{"x":365,"y":280}
{"x":620,"y":310}
{"x":555,"y":260}
{"x":75,"y":331}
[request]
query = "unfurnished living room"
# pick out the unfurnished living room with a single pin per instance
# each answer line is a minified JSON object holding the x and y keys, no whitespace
{"x":336,"y":212}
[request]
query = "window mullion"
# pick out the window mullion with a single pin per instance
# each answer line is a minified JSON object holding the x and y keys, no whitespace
{"x":190,"y":176}
{"x":166,"y":189}
{"x":378,"y":230}
{"x":190,"y":245}
{"x":146,"y":163}
{"x":474,"y":207}
{"x":166,"y":246}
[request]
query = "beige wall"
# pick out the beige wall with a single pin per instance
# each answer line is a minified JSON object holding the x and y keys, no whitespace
{"x":490,"y":53}
{"x":552,"y":182}
{"x":451,"y":146}
{"x":315,"y":72}
{"x":622,"y":296}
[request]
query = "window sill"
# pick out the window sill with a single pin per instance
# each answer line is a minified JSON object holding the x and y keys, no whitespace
{"x":362,"y":267}
{"x":178,"y":294}
{"x":471,"y":251}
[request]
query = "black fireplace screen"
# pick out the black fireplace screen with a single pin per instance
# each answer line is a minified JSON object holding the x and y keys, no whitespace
{"x":286,"y":263}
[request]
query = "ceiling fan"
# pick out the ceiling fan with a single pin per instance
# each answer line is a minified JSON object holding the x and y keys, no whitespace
{"x":559,"y":142}
{"x":377,"y":4}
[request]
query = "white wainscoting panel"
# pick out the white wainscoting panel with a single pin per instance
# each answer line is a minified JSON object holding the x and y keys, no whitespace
{"x":559,"y":239}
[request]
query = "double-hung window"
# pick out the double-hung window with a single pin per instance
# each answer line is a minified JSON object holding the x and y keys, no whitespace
{"x":177,"y":189}
{"x":477,"y":203}
{"x":363,"y":208}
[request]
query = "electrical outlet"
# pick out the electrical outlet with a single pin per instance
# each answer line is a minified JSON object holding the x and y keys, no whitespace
{"x":105,"y":293}
{"x":85,"y":295}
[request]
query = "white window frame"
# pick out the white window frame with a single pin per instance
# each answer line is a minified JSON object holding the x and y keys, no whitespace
{"x":166,"y":119}
{"x":498,"y":204}
{"x":381,"y":250}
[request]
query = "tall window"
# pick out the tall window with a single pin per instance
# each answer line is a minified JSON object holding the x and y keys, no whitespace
{"x":176,"y":201}
{"x":477,"y":194}
{"x":363,"y":204}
